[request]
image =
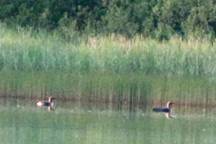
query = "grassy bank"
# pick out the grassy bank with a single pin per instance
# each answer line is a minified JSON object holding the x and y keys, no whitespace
{"x":26,"y":50}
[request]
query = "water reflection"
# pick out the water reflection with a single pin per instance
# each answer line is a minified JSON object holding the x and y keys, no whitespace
{"x":107,"y":109}
{"x":20,"y":125}
{"x":106,"y":91}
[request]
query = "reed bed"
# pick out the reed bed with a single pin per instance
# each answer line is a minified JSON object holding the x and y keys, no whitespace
{"x":27,"y":50}
{"x":109,"y":70}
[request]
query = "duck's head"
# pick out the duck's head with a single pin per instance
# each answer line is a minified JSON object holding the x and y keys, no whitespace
{"x":50,"y":99}
{"x":170,"y":104}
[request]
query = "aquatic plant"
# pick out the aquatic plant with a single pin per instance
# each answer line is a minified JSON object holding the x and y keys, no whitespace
{"x":26,"y":50}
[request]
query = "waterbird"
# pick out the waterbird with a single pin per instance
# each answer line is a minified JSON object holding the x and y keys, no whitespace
{"x":49,"y":103}
{"x":166,"y":110}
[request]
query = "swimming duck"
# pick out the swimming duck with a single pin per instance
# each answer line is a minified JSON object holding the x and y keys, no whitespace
{"x":49,"y":103}
{"x":166,"y":110}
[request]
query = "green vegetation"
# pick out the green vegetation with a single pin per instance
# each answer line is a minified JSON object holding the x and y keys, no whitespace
{"x":158,"y":19}
{"x":26,"y":50}
{"x":107,"y":63}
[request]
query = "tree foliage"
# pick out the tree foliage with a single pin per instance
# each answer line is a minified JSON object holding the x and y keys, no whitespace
{"x":155,"y":18}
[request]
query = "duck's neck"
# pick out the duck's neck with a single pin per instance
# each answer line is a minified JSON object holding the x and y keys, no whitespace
{"x":50,"y":99}
{"x":169,"y":105}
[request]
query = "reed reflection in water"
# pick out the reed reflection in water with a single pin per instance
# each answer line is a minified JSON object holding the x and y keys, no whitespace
{"x":26,"y":125}
{"x":106,"y":109}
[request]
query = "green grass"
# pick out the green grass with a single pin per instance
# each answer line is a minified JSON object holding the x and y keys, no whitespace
{"x":27,"y":50}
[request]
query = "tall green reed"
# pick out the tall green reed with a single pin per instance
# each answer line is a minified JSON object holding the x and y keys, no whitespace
{"x":27,"y":50}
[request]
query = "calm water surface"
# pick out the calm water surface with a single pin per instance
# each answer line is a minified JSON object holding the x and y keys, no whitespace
{"x":108,"y":110}
{"x":28,"y":124}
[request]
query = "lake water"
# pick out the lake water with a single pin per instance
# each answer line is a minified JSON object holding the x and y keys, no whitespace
{"x":104,"y":109}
